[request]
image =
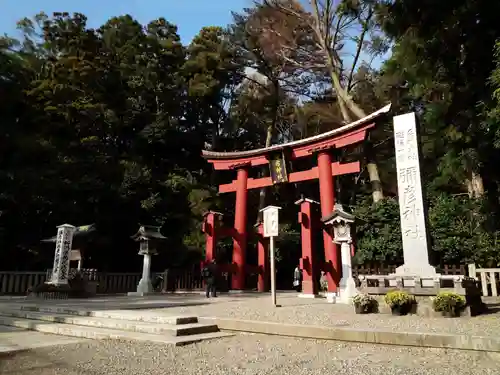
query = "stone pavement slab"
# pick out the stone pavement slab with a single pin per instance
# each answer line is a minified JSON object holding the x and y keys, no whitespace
{"x":14,"y":339}
{"x":247,"y":355}
{"x":318,"y":312}
{"x":241,"y":312}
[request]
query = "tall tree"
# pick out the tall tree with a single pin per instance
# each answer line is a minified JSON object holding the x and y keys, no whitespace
{"x":452,"y":44}
{"x":334,"y":27}
{"x":212,"y":74}
{"x":263,"y":67}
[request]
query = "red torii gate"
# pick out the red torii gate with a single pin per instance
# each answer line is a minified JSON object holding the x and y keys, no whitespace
{"x":241,"y":161}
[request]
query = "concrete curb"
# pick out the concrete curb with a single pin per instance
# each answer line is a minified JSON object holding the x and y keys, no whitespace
{"x":368,"y":336}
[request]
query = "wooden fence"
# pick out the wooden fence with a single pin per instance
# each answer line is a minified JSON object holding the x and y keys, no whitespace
{"x":367,"y":269}
{"x":490,"y":283}
{"x":17,"y":283}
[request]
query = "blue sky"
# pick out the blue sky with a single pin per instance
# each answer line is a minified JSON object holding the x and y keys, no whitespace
{"x":189,"y":15}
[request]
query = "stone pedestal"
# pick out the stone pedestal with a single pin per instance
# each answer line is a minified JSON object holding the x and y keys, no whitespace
{"x":64,"y":240}
{"x":331,"y":297}
{"x":340,"y":222}
{"x":145,"y":286}
{"x":347,"y":284}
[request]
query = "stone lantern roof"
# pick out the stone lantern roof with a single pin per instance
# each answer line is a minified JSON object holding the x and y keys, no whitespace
{"x":338,"y":215}
{"x":148,"y":232}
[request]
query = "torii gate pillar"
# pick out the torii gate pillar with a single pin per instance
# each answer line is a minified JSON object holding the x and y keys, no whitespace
{"x":308,"y":263}
{"x":326,"y":193}
{"x":240,"y":233}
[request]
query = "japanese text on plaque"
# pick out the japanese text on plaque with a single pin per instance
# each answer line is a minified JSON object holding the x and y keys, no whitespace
{"x":277,"y":167}
{"x":408,"y":179}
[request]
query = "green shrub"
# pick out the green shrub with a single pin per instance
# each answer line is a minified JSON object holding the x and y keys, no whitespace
{"x":398,"y":298}
{"x":365,"y":302}
{"x":448,"y":302}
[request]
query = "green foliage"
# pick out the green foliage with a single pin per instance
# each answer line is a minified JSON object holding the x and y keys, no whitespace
{"x":366,"y":303}
{"x":398,"y":298}
{"x":378,"y":232}
{"x":106,"y":125}
{"x":460,"y":231}
{"x":448,"y":302}
{"x":288,"y":240}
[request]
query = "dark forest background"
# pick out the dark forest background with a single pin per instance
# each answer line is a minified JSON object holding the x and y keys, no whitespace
{"x":107,"y":125}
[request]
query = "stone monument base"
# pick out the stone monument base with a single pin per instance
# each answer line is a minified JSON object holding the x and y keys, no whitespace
{"x":424,"y":272}
{"x":49,"y":290}
{"x":424,"y":309}
{"x":427,"y":286}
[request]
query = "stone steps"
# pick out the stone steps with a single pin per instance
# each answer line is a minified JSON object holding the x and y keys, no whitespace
{"x":128,"y":324}
{"x":131,"y":315}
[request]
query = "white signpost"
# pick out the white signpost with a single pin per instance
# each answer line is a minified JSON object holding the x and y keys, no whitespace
{"x":271,"y":230}
{"x":411,"y":205}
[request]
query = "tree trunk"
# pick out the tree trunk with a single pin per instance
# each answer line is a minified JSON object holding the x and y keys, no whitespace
{"x":346,"y":104}
{"x":371,"y":166}
{"x":475,"y":185}
{"x":262,"y":192}
{"x":269,"y":139}
{"x":377,"y":192}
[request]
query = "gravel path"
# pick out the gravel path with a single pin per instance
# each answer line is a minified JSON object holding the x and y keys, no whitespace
{"x":317,"y":312}
{"x":246,"y":355}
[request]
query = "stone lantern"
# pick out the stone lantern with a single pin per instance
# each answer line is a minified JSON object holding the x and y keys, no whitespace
{"x":148,"y":237}
{"x":340,"y":223}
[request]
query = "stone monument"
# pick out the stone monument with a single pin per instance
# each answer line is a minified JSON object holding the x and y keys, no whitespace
{"x":411,"y":204}
{"x":416,"y":275}
{"x":64,"y":240}
{"x":341,"y":221}
{"x":148,"y":237}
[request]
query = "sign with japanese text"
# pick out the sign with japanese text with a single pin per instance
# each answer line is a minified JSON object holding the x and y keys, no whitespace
{"x":277,"y":168}
{"x":271,"y":221}
{"x":411,"y":205}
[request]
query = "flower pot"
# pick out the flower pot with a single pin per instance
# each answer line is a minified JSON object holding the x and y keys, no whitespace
{"x":450,"y":314}
{"x":359,"y":309}
{"x":400,"y":310}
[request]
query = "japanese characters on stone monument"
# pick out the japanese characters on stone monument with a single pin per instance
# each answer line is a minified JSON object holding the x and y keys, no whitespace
{"x":411,"y":205}
{"x":60,"y":270}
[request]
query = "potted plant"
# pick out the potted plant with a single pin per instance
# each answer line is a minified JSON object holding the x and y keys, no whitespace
{"x":365,"y":304}
{"x":449,"y":304}
{"x":399,"y":301}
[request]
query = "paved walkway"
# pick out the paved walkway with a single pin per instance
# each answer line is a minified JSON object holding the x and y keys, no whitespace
{"x":294,"y":310}
{"x":246,"y":355}
{"x":318,"y":312}
{"x":15,"y":339}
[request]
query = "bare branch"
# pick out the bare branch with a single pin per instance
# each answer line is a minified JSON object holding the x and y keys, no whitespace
{"x":359,"y":47}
